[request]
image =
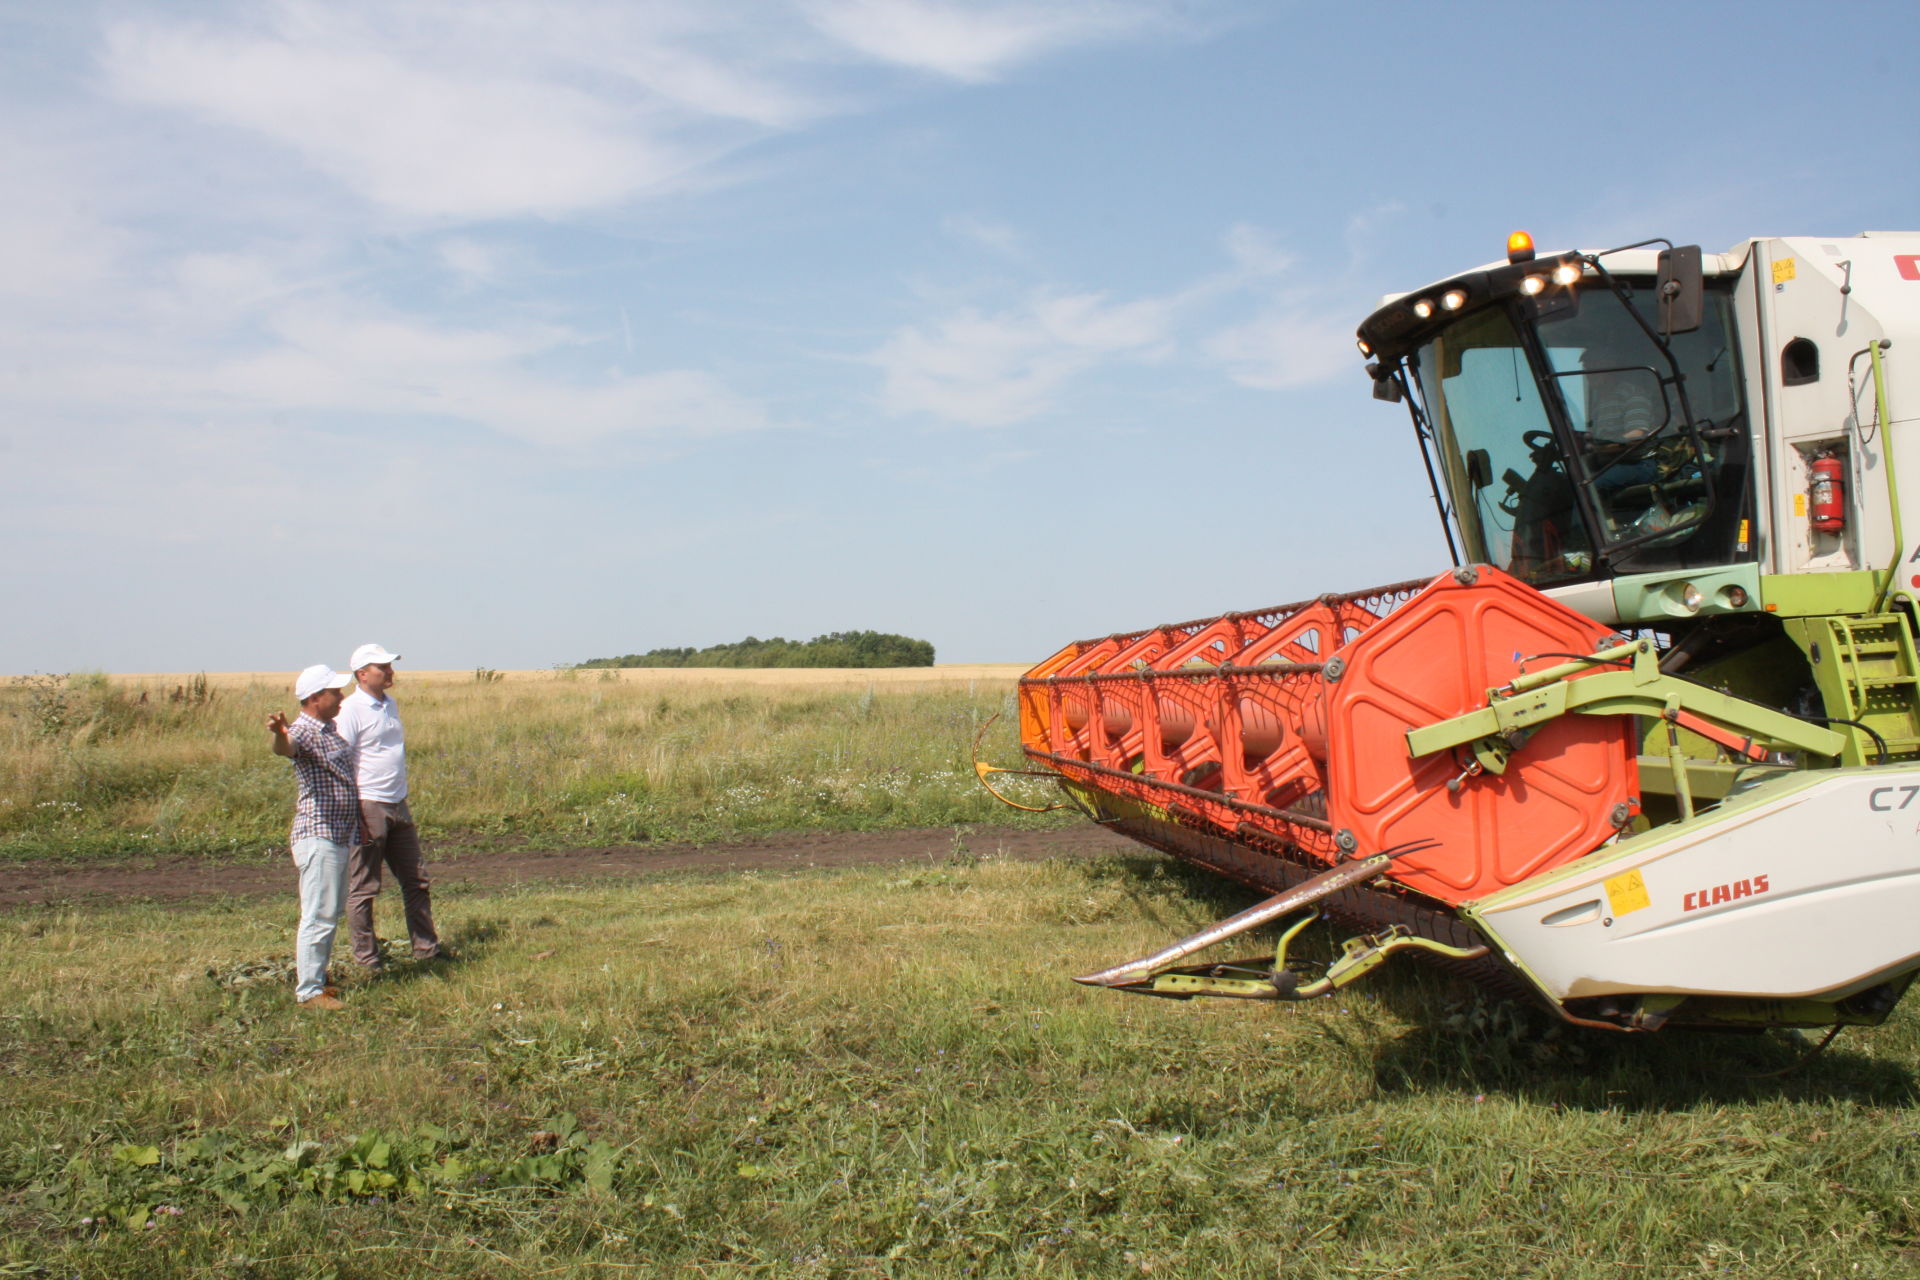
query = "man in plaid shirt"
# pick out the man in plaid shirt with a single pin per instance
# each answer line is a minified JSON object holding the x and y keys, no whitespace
{"x":326,"y":823}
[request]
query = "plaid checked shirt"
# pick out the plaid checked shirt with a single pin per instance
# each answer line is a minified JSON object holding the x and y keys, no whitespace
{"x":329,"y":805}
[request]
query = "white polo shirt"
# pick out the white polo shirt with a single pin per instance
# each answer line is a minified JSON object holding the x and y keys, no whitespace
{"x":372,"y":729}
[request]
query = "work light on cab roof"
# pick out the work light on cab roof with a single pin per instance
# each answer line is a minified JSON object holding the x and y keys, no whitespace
{"x":1649,"y":751}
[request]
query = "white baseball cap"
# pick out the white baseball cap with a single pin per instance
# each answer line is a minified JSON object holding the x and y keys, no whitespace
{"x":368,"y":655}
{"x":317,"y":677}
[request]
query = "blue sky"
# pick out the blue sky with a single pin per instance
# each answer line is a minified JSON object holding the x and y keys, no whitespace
{"x":514,"y":334}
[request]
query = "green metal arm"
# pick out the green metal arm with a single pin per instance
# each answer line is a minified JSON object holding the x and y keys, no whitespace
{"x":1513,"y":711}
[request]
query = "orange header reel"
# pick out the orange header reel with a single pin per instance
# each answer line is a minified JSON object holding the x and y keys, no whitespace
{"x":1290,"y":725}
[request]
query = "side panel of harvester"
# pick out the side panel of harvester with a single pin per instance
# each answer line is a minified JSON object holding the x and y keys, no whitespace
{"x":1820,"y":308}
{"x":1756,"y":899}
{"x":1569,"y":789}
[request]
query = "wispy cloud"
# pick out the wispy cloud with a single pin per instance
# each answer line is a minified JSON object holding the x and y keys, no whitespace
{"x":1366,"y":226}
{"x":1269,"y":318}
{"x":1286,"y":347}
{"x":472,"y":262}
{"x":993,"y":370}
{"x":1302,"y":331}
{"x":353,"y":359}
{"x":478,"y":116}
{"x":506,"y":108}
{"x":1255,"y":253}
{"x":54,"y":243}
{"x":422,"y":139}
{"x":976,"y":41}
{"x":283,"y":329}
{"x":996,"y":237}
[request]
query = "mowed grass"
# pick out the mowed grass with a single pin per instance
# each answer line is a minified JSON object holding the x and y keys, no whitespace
{"x":886,"y":1072}
{"x":94,"y":766}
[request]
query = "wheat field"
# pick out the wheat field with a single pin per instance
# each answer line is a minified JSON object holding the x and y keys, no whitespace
{"x":111,"y":766}
{"x":644,"y":677}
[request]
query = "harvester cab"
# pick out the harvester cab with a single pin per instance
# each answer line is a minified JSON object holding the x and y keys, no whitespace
{"x":1650,"y":751}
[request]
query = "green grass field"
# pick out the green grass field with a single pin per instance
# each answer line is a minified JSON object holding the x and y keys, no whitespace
{"x":871,"y":1072}
{"x":885,"y":1072}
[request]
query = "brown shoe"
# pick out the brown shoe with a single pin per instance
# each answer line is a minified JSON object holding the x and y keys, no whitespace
{"x":322,"y":1001}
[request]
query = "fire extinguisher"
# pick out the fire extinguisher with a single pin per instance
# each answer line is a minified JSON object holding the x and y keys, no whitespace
{"x":1827,"y":494}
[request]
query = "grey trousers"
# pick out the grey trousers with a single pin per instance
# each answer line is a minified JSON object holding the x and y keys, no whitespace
{"x":392,"y":841}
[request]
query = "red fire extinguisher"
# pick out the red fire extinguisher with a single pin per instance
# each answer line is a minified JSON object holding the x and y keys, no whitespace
{"x":1827,"y":494}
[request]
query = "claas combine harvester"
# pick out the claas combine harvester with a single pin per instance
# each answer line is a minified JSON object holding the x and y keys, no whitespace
{"x":1650,"y":751}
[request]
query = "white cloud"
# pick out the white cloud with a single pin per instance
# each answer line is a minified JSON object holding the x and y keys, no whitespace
{"x":1000,"y":238}
{"x":215,"y":292}
{"x":1259,"y":321}
{"x":991,"y":371}
{"x":420,"y":139}
{"x":1086,"y":322}
{"x":491,"y":109}
{"x":250,"y":344}
{"x":1286,"y":348}
{"x":358,"y":359}
{"x":1295,"y":338}
{"x":484,"y":109}
{"x":973,"y":41}
{"x":54,"y":243}
{"x":759,"y":90}
{"x":1254,"y":252}
{"x":471,"y":261}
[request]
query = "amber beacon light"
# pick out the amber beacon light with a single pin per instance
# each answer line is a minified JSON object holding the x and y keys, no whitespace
{"x":1519,"y":247}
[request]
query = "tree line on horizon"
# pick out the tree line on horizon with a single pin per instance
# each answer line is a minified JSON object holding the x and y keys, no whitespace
{"x":839,"y":649}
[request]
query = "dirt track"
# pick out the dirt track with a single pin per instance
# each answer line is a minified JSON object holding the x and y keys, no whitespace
{"x":173,"y":879}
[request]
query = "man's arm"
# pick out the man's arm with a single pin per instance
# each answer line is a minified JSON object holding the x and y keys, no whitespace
{"x":277,"y":725}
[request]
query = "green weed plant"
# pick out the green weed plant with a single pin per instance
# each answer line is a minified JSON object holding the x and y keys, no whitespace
{"x":137,"y":1187}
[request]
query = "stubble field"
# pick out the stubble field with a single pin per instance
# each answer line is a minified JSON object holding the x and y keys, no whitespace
{"x":862,"y":1071}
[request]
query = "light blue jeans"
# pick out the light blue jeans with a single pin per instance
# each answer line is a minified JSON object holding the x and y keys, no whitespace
{"x":323,"y":896}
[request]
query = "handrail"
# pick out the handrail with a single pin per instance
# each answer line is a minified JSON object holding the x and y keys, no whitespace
{"x":1881,"y":411}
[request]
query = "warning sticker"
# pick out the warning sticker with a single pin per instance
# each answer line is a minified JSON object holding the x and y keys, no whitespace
{"x":1783,"y":270}
{"x":1627,"y":893}
{"x":1799,"y":504}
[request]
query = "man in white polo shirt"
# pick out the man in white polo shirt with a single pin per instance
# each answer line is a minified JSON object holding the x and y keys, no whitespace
{"x":370,"y":723}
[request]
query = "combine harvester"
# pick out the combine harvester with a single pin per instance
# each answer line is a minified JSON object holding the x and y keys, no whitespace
{"x":1651,"y":751}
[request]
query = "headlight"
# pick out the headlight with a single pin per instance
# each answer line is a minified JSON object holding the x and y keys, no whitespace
{"x":1532,"y":285}
{"x":1567,"y":273}
{"x":1424,"y":308}
{"x":1454,"y":299}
